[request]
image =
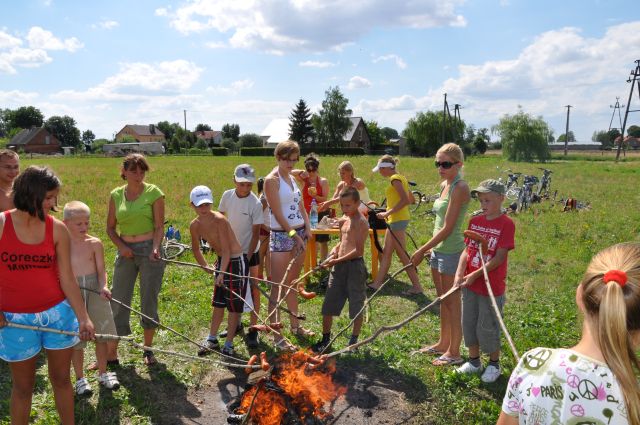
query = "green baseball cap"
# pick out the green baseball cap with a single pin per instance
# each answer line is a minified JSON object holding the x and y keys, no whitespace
{"x":489,"y":185}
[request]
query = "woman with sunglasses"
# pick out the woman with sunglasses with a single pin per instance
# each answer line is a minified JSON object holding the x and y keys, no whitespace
{"x":397,"y":217}
{"x":290,"y":229}
{"x":315,"y":188}
{"x":446,"y":245}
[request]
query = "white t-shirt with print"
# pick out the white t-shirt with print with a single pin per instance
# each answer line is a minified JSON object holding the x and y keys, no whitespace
{"x":561,"y":386}
{"x":243,"y":214}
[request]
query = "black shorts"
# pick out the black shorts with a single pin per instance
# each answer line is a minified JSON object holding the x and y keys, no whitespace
{"x":222,"y":296}
{"x":254,"y":260}
{"x":322,"y":238}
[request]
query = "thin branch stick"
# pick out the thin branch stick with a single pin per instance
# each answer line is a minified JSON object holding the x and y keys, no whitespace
{"x":495,"y":306}
{"x":396,"y":326}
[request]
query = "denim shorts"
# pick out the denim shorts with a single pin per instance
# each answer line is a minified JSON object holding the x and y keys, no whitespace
{"x":445,"y":263}
{"x":17,"y":345}
{"x":399,"y":225}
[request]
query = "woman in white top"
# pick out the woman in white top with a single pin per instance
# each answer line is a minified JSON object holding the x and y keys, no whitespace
{"x":290,"y":229}
{"x":348,"y":179}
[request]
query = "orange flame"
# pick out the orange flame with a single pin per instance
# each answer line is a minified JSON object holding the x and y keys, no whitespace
{"x":308,"y":389}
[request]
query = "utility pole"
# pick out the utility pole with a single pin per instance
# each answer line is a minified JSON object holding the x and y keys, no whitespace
{"x":444,"y":118}
{"x":566,"y":130}
{"x":617,"y":108}
{"x":636,"y":79}
{"x":185,"y":120}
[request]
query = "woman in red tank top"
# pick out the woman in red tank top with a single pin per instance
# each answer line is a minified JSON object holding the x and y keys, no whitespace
{"x":36,"y":282}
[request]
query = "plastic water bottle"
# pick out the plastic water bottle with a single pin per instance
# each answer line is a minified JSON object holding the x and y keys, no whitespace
{"x":169,"y":234}
{"x":176,"y":235}
{"x":313,"y":214}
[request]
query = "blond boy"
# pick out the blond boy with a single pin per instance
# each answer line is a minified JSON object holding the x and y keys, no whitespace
{"x":231,"y":286}
{"x":87,"y":262}
{"x":348,"y":279}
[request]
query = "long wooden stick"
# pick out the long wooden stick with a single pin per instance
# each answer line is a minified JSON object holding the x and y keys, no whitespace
{"x":397,"y":326}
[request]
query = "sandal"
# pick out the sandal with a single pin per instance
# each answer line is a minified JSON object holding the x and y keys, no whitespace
{"x":284,"y":345}
{"x":428,"y":350}
{"x":148,"y":358}
{"x":447,"y":361}
{"x":300,"y":331}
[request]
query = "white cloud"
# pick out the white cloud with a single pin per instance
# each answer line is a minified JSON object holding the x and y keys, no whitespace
{"x":309,"y":25}
{"x":358,"y":82}
{"x":216,"y":44}
{"x":105,"y":25}
{"x":400,"y":63}
{"x":16,"y":98}
{"x":316,"y":64}
{"x":40,"y":38}
{"x":138,"y":80}
{"x":26,"y":58}
{"x":234,"y":88}
{"x":7,"y":40}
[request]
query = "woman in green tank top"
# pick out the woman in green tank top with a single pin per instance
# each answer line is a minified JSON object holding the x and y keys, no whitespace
{"x":445,"y":247}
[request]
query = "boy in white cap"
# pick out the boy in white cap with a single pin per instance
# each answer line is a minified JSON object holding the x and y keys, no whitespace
{"x":244,"y":212}
{"x":230,"y":288}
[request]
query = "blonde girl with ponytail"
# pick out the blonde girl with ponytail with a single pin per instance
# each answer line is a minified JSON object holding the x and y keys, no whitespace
{"x":596,"y":380}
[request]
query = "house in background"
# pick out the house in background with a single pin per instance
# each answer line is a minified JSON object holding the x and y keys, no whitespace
{"x":212,"y":137}
{"x":278,"y":131}
{"x":141,"y":133}
{"x":35,"y":140}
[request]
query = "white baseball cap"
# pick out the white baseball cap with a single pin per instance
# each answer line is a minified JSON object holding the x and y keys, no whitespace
{"x":383,"y":164}
{"x":244,"y":174}
{"x":201,"y":195}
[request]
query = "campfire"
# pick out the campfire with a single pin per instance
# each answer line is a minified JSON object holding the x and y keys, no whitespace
{"x":293,"y":391}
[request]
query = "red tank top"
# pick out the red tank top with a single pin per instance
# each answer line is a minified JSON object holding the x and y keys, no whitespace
{"x":305,"y":193}
{"x":29,"y":279}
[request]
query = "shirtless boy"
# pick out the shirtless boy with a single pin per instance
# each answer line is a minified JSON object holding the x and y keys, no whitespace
{"x":214,"y":228}
{"x":87,"y":262}
{"x":9,"y":170}
{"x":348,"y":279}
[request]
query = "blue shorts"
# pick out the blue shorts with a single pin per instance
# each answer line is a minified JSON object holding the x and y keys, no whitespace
{"x":399,"y":225}
{"x":17,"y":345}
{"x":445,"y":263}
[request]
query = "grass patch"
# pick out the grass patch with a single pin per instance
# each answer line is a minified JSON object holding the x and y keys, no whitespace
{"x":552,"y":250}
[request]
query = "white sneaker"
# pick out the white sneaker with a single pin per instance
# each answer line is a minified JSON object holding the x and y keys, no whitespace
{"x":491,"y":374}
{"x":83,"y":387}
{"x":468,"y":368}
{"x":109,"y":380}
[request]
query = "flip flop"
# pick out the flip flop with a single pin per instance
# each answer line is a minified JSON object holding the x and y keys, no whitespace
{"x":447,"y":361}
{"x":372,"y":288}
{"x":428,"y":350}
{"x":148,"y":358}
{"x":410,"y":293}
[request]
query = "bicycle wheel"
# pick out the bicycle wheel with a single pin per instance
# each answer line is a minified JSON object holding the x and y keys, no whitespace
{"x":417,"y":196}
{"x":513,"y":193}
{"x":173,"y":250}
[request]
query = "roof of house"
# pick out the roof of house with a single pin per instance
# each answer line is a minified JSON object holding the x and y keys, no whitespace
{"x":355,"y":121}
{"x":25,"y":136}
{"x":207,"y":134}
{"x":145,"y":130}
{"x":276,"y":131}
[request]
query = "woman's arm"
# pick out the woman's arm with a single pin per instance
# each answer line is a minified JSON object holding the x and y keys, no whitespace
{"x":335,"y":199}
{"x":458,"y":198}
{"x":324,"y":184}
{"x":158,"y":227}
{"x":359,"y":184}
{"x":112,"y":222}
{"x":68,"y":282}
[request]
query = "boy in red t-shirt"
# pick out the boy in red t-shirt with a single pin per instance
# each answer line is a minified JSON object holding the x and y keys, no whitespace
{"x":480,"y":326}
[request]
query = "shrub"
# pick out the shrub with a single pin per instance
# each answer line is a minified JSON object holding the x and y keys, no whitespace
{"x":256,"y":151}
{"x":216,"y":151}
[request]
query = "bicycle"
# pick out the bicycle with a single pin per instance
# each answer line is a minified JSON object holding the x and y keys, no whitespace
{"x":526,"y":195}
{"x":545,"y":184}
{"x":418,"y":198}
{"x":173,"y":248}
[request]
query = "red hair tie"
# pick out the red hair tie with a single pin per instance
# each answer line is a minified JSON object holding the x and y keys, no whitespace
{"x":617,"y":276}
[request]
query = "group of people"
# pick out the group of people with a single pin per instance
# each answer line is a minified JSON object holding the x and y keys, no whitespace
{"x":53,"y":274}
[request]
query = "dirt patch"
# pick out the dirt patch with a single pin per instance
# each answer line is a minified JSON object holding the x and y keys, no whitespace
{"x":387,"y":399}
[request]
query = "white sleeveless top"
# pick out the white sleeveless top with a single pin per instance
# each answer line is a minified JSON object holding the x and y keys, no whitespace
{"x":289,"y":204}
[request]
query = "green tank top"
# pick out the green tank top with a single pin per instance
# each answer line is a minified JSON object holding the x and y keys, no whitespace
{"x":455,"y":242}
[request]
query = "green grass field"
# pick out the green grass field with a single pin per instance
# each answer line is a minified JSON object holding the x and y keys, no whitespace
{"x":552,"y":251}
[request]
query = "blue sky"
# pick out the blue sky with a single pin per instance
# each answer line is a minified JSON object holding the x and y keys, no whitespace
{"x":113,"y":63}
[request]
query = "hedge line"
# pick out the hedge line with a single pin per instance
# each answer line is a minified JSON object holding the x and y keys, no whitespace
{"x":305,"y":151}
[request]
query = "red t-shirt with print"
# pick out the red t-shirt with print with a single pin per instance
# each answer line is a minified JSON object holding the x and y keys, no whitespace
{"x":499,"y":233}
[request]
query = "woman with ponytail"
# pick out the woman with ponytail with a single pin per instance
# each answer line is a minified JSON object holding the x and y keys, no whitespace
{"x":595,"y":381}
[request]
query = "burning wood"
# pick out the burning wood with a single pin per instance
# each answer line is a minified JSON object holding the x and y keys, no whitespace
{"x":293,"y":392}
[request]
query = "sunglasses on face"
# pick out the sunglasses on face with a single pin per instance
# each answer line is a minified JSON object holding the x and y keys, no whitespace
{"x":445,"y":164}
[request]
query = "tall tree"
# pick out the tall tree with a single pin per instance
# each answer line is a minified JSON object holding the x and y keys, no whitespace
{"x":375,"y":134}
{"x":332,"y":120}
{"x":523,"y":137}
{"x":203,"y":127}
{"x":633,"y":131}
{"x":389,"y":133}
{"x":231,"y":131}
{"x":168,"y":129}
{"x":300,"y":128}
{"x":64,"y":128}
{"x":570,"y":137}
{"x":25,"y":117}
{"x":5,"y":116}
{"x":424,"y":132}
